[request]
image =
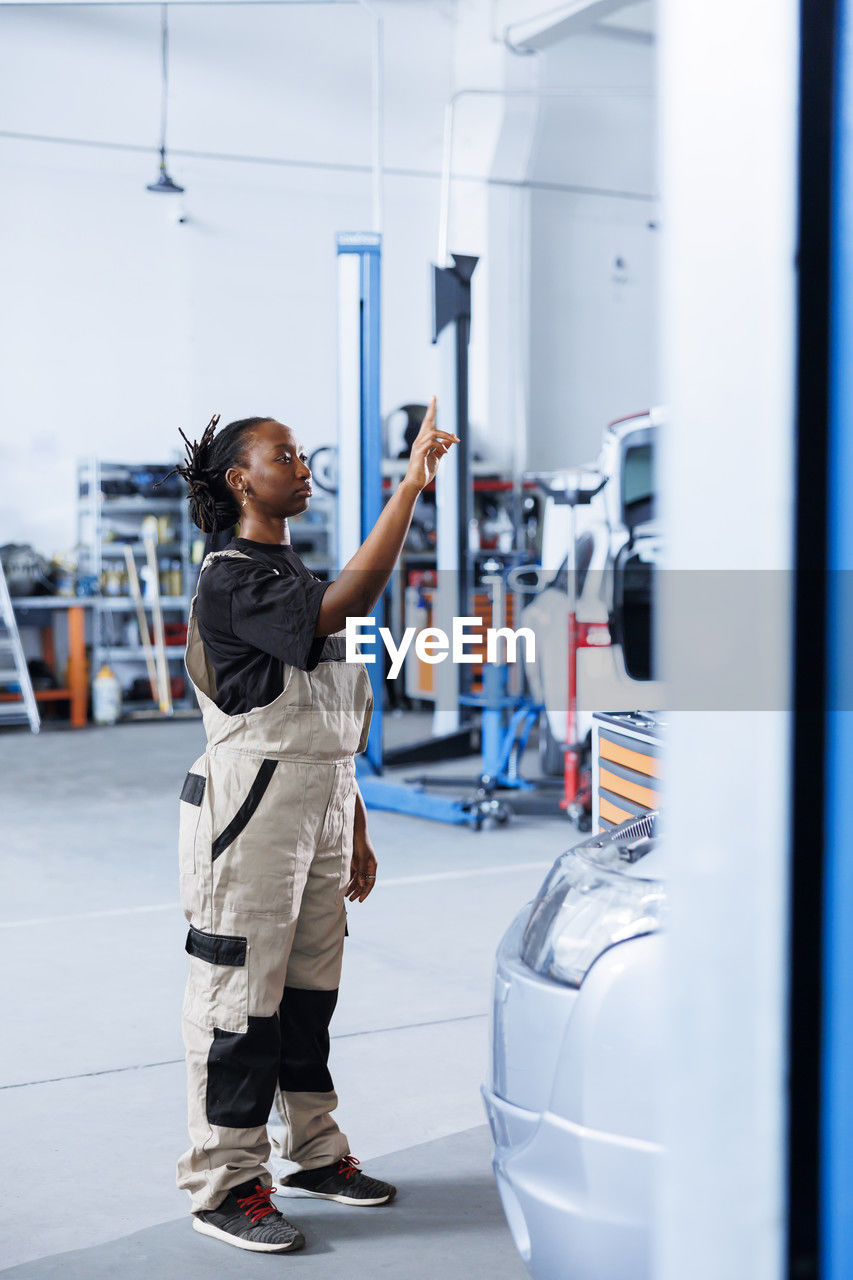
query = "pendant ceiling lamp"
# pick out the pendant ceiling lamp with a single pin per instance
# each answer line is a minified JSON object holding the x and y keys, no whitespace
{"x":164,"y":183}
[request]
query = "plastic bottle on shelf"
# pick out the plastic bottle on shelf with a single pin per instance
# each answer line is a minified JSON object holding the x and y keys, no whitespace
{"x":106,"y":697}
{"x":504,"y":531}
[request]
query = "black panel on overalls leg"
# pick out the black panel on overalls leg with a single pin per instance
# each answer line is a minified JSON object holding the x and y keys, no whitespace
{"x":242,"y":1070}
{"x":305,"y":1017}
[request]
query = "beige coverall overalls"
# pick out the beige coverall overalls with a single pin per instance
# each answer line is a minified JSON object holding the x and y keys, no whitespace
{"x":266,"y":820}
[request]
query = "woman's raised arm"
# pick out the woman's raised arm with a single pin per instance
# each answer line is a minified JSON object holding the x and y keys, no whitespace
{"x":362,"y":580}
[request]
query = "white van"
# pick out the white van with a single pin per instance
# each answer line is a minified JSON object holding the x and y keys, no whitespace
{"x":617,"y":547}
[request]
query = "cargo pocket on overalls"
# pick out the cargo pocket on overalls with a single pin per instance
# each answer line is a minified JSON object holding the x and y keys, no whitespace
{"x":217,"y":993}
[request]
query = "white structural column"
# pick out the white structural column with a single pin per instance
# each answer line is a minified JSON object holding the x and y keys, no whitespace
{"x":729,"y":146}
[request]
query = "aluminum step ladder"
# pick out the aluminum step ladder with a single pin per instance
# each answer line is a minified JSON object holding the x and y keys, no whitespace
{"x":13,"y":665}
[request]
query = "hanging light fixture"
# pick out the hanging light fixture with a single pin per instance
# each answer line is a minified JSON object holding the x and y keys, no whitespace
{"x":164,"y":183}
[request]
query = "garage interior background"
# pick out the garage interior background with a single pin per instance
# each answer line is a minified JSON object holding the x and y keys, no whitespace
{"x":122,"y":324}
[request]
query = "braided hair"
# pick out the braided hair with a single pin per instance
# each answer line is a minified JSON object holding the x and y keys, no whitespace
{"x":213,"y":506}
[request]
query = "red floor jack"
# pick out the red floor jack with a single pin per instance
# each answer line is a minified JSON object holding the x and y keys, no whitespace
{"x":577,"y":772}
{"x":567,"y":489}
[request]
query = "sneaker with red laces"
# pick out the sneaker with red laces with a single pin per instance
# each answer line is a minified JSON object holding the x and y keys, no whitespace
{"x":342,"y":1181}
{"x":247,"y":1219}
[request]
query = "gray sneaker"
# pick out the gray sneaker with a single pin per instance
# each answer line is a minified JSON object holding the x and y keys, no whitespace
{"x":246,"y":1218}
{"x":342,"y":1181}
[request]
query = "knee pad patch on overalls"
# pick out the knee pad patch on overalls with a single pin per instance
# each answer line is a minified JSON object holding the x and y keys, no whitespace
{"x":305,"y":1017}
{"x":242,"y":1073}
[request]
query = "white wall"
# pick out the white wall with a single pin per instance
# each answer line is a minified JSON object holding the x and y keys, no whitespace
{"x":563,"y":341}
{"x":593,"y":325}
{"x":120,"y":325}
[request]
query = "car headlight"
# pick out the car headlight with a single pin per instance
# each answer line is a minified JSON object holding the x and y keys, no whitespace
{"x":583,"y":908}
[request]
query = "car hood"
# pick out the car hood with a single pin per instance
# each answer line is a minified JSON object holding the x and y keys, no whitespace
{"x":628,"y":849}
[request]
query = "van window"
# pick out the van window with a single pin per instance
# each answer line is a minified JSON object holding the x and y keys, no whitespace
{"x":638,"y":484}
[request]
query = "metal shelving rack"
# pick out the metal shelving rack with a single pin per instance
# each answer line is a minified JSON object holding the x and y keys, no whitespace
{"x":313,"y":534}
{"x":105,"y":524}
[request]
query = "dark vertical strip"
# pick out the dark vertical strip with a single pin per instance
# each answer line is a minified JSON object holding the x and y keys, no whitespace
{"x":808,"y":766}
{"x":462,"y":455}
{"x":836,"y":1191}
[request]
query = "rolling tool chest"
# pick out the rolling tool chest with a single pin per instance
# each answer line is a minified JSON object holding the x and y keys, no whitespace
{"x":626,"y":766}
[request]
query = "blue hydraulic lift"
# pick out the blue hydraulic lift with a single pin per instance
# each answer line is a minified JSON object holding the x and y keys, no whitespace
{"x":360,"y":454}
{"x":359,"y":507}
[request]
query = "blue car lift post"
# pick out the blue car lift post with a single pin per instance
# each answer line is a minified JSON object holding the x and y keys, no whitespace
{"x":360,"y":454}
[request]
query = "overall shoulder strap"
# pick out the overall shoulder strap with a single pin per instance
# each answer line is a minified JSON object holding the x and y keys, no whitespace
{"x":221,"y":555}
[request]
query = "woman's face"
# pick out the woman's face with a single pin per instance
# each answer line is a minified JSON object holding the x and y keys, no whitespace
{"x":275,"y":473}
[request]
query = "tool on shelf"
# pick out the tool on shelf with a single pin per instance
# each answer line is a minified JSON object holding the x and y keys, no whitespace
{"x":144,"y":633}
{"x":11,"y":648}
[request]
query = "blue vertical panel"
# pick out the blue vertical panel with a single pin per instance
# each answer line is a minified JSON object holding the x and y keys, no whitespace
{"x":368,"y":247}
{"x":837,"y":1066}
{"x":371,"y":457}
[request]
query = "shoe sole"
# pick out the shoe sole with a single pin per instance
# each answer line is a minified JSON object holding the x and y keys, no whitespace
{"x":296,"y":1193}
{"x":254,"y":1246}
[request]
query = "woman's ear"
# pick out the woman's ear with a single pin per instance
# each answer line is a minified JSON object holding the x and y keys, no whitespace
{"x":234,"y":479}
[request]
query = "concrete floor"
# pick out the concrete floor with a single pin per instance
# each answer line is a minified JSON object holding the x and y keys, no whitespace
{"x":91,"y":1073}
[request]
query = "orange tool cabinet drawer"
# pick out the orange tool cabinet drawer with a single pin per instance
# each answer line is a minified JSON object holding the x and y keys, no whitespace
{"x":626,"y":766}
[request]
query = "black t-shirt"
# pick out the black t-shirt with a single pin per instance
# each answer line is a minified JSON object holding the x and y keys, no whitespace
{"x":253,"y":616}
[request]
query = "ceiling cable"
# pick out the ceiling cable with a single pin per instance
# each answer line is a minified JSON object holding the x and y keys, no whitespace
{"x":164,"y":184}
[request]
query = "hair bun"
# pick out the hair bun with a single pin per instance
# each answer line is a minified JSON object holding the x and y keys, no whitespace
{"x":194,"y":469}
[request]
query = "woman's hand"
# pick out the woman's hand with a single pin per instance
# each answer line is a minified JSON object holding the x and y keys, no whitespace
{"x":429,"y":447}
{"x":362,"y":869}
{"x":362,"y":876}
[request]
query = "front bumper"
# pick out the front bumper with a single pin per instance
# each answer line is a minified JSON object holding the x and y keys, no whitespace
{"x":578,"y":1202}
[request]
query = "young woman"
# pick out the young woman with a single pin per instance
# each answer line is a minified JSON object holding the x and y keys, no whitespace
{"x":273,"y":832}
